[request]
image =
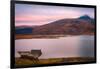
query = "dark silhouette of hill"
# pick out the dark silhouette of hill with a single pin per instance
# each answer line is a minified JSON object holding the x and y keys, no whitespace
{"x":87,"y":18}
{"x":23,"y":30}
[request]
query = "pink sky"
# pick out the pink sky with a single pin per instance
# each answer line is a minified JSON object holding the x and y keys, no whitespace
{"x":39,"y":19}
{"x":39,"y":14}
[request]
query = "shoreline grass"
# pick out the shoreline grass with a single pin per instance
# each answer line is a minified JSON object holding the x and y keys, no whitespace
{"x":27,"y":62}
{"x":30,"y":36}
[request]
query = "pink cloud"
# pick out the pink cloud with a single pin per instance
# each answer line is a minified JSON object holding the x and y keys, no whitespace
{"x":42,"y":19}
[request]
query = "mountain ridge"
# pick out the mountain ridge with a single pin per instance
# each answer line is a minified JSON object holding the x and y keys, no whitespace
{"x":76,"y":26}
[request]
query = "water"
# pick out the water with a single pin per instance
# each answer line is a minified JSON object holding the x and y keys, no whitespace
{"x":70,"y":46}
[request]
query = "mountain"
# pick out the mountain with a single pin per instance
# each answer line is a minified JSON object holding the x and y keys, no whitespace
{"x":87,"y":18}
{"x":75,"y":26}
{"x":24,"y":29}
{"x":27,"y":30}
{"x":66,"y":26}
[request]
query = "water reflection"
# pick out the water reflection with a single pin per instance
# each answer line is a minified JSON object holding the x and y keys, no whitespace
{"x":71,"y":46}
{"x":87,"y":46}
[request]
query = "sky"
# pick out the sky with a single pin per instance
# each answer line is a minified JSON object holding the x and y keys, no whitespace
{"x":32,"y":15}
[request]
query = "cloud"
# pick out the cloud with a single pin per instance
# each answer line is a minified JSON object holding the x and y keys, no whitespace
{"x":40,"y":14}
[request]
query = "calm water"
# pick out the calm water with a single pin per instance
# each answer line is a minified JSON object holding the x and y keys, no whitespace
{"x":70,"y":46}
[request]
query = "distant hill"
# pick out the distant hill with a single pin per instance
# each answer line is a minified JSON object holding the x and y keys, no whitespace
{"x":87,"y":18}
{"x":78,"y":26}
{"x":23,"y":30}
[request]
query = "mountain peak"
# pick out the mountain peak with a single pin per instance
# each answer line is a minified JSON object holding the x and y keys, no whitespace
{"x":85,"y":17}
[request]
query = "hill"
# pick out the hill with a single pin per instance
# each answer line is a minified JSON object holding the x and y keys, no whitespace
{"x":77,"y":26}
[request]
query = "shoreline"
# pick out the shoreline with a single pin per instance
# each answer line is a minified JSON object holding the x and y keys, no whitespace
{"x":30,"y":36}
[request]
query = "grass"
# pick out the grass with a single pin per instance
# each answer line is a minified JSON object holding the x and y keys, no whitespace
{"x":30,"y":36}
{"x":27,"y":62}
{"x":22,"y":36}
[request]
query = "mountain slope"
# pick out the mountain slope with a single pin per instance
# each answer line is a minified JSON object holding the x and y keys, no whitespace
{"x":66,"y":26}
{"x":78,"y":26}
